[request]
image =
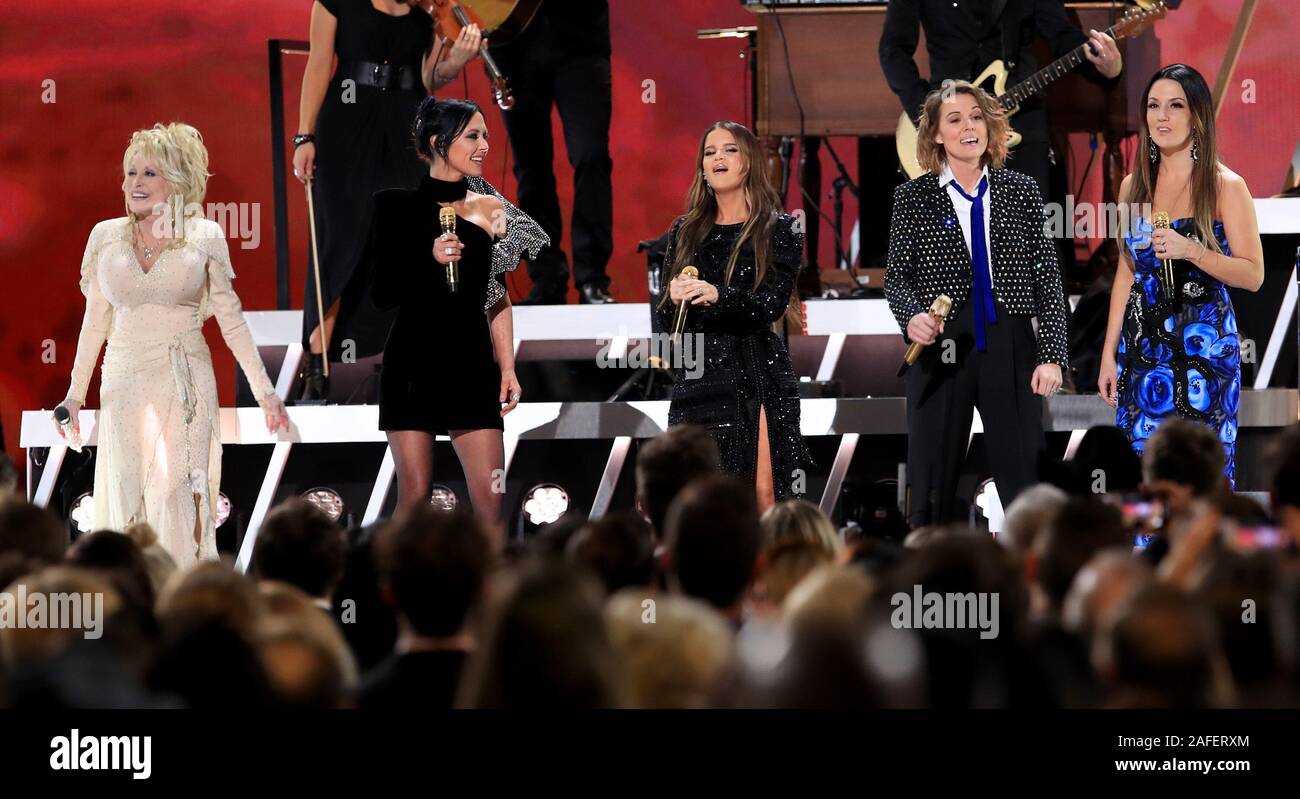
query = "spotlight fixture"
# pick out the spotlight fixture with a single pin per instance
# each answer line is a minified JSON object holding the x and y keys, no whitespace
{"x":224,"y":507}
{"x":82,"y":513}
{"x":544,"y":503}
{"x":326,"y":500}
{"x":442,"y":498}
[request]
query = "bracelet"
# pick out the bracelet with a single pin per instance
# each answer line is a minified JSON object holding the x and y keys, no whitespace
{"x":302,"y":138}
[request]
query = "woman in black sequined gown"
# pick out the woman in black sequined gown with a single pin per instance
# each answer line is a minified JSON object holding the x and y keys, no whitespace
{"x":733,"y":373}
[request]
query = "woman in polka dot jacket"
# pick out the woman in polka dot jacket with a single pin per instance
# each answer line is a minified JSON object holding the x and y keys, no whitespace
{"x":973,"y":231}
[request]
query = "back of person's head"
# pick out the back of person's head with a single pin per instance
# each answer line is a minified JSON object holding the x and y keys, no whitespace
{"x":799,"y":519}
{"x":1160,"y":651}
{"x":552,"y":541}
{"x":292,"y":616}
{"x":619,"y":549}
{"x":674,"y":657}
{"x":545,"y":645}
{"x":157,"y":560}
{"x":74,"y":603}
{"x":1185,"y":453}
{"x":713,"y":536}
{"x":298,"y":544}
{"x":8,"y":477}
{"x":31,"y":531}
{"x":667,"y":463}
{"x":1029,"y":516}
{"x":831,"y":595}
{"x":210,"y":592}
{"x":370,"y":620}
{"x":1083,"y":527}
{"x":1104,"y":584}
{"x":1237,"y":585}
{"x":1284,"y":487}
{"x":787,"y":564}
{"x":433,"y":565}
{"x":118,"y":559}
{"x":301,"y":671}
{"x":1104,"y":451}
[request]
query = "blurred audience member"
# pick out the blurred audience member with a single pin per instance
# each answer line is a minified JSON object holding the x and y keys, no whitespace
{"x":675,"y":650}
{"x":32,"y":532}
{"x":618,"y":548}
{"x":299,"y":545}
{"x":713,"y":537}
{"x":666,"y":464}
{"x":432,"y":567}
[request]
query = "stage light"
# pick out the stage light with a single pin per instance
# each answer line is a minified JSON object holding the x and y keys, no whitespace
{"x":442,"y":498}
{"x":989,"y":505}
{"x":224,"y":507}
{"x":544,"y":503}
{"x":326,"y":500}
{"x":82,"y":513}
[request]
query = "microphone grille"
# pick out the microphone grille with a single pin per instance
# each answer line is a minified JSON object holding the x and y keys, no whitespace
{"x":1160,"y":219}
{"x":447,"y":215}
{"x":61,"y":414}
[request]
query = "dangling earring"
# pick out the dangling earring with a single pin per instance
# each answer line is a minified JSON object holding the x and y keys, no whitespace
{"x":1153,"y":150}
{"x":707,"y":185}
{"x":1196,"y":145}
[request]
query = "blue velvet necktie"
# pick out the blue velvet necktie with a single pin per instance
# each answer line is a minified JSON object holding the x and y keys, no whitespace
{"x":982,"y":284}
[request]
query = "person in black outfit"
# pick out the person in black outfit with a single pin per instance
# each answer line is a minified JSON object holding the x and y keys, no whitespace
{"x":562,"y":59}
{"x":358,"y":120}
{"x":964,"y":37}
{"x":973,"y":230}
{"x":433,"y":566}
{"x":439,"y":374}
{"x":748,"y":254}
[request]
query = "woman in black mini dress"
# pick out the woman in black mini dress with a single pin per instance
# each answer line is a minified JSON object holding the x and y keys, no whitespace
{"x":440,"y":374}
{"x":353,"y":140}
{"x":748,"y":255}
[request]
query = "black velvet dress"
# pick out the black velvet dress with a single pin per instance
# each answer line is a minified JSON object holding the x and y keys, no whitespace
{"x":439,"y":371}
{"x":744,"y":365}
{"x":363,"y":144}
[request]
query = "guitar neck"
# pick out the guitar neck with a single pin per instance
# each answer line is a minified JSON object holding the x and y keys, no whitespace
{"x":1048,"y":75}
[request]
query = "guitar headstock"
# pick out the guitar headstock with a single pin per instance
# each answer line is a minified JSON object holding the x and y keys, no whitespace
{"x":1137,"y":19}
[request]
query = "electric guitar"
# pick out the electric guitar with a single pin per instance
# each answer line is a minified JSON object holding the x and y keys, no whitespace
{"x":1134,"y":21}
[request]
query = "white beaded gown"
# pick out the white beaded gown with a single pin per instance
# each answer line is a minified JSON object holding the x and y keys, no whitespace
{"x":159,"y":447}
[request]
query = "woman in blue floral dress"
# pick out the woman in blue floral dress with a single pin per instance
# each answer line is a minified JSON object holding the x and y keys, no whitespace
{"x":1172,"y":347}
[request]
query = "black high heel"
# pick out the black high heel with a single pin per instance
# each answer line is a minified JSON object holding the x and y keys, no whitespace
{"x":315,"y":385}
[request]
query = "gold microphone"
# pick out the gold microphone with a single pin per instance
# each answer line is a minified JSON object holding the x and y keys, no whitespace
{"x":679,"y":322}
{"x":1160,"y":220}
{"x":447,"y":217}
{"x":939,"y":310}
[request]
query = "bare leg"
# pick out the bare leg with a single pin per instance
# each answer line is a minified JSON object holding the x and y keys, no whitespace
{"x":413,"y":459}
{"x":331,"y":314}
{"x":763,"y":466}
{"x":482,"y":456}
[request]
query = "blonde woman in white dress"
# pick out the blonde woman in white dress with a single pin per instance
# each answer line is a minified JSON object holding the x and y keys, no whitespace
{"x":149,"y":286}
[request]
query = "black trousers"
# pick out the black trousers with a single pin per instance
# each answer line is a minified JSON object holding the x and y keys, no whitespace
{"x":543,"y":72}
{"x":944,"y":387}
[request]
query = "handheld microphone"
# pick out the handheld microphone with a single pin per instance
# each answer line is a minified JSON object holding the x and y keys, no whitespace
{"x":939,"y":310}
{"x":1160,"y":220}
{"x":64,"y":417}
{"x":679,"y":322}
{"x":447,"y":218}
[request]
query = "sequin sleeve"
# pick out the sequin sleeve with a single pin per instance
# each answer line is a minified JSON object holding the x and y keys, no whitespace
{"x":767,"y":303}
{"x":523,"y":237}
{"x":900,"y":292}
{"x":223,"y":303}
{"x":98,"y":318}
{"x":1049,"y":291}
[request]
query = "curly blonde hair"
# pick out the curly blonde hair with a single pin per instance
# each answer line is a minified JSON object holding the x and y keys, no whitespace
{"x":930,"y":154}
{"x":177,"y":150}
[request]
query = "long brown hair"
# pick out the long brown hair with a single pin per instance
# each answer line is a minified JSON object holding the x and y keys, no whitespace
{"x":930,"y":154}
{"x":1205,"y":169}
{"x":761,"y":199}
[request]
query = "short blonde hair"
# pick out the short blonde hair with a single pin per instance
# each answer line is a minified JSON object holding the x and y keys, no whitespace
{"x":930,"y":154}
{"x":177,"y":150}
{"x":678,"y":661}
{"x":799,"y":520}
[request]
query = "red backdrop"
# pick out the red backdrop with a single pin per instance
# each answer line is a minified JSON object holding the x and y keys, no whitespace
{"x":113,"y":67}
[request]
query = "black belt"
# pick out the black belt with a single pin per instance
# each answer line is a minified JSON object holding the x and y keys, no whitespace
{"x":381,"y":76}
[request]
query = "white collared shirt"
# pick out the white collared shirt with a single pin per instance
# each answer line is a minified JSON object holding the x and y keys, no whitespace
{"x":962,"y":206}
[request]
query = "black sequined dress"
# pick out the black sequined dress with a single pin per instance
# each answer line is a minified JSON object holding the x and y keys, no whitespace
{"x":744,"y":365}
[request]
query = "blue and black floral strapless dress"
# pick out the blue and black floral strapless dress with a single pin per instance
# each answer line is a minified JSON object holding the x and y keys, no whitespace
{"x":1179,"y":355}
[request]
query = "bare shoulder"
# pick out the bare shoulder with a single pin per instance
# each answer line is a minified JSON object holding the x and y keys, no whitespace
{"x":1123,"y":186}
{"x":1230,"y":183}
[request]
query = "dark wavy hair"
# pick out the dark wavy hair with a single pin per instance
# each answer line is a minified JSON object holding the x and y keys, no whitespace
{"x":444,"y":120}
